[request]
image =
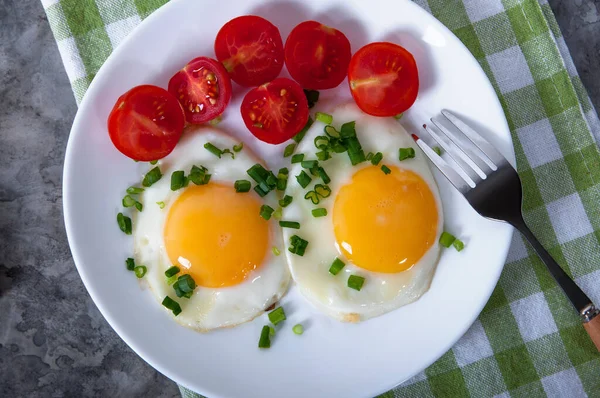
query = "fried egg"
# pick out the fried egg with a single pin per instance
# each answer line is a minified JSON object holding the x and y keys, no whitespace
{"x":384,"y":227}
{"x":212,"y":233}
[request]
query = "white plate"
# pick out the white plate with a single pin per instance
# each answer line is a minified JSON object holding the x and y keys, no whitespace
{"x":330,"y":358}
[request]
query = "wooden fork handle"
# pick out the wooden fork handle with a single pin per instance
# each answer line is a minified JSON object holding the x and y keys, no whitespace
{"x":593,"y":329}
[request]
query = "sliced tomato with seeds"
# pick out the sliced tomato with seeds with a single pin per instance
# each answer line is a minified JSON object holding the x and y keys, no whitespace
{"x":251,"y":50}
{"x":383,"y":79}
{"x":275,"y":111}
{"x":146,"y":123}
{"x":317,"y":56}
{"x":203,"y":88}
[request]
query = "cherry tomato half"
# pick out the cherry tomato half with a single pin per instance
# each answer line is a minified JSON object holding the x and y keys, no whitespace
{"x":384,"y":79}
{"x":203,"y":89}
{"x":317,"y":56}
{"x":251,"y":50}
{"x":146,"y":123}
{"x":275,"y":111}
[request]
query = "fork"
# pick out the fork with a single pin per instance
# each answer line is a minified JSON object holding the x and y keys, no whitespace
{"x":493,"y":188}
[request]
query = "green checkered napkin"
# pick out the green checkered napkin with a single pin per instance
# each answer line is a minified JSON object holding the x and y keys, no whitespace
{"x":528,"y":341}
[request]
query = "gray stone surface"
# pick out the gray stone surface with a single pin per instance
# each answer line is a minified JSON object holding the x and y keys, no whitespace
{"x":53,"y":340}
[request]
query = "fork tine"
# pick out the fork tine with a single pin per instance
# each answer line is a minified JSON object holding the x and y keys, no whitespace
{"x":455,"y":179}
{"x":481,"y":143}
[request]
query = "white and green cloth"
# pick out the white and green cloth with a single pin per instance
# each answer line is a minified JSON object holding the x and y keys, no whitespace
{"x":528,"y":341}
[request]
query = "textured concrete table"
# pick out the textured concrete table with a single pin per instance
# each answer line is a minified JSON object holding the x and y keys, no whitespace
{"x":53,"y":340}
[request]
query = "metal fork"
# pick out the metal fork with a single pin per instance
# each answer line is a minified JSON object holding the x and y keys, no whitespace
{"x":492,"y":186}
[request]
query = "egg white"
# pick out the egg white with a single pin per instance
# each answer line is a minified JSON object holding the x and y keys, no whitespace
{"x":381,"y":292}
{"x":208,"y":308}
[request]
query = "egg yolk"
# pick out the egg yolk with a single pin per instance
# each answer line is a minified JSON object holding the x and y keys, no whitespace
{"x":216,"y":235}
{"x":385,"y":223}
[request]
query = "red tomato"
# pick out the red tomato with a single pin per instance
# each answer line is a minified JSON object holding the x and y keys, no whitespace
{"x":146,"y":123}
{"x":384,"y":79}
{"x":317,"y":56}
{"x":275,"y":111}
{"x":203,"y":89}
{"x":251,"y":49}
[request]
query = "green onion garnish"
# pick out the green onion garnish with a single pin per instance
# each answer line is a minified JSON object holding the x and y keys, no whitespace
{"x":265,"y":340}
{"x":161,"y":204}
{"x":271,"y":331}
{"x":128,"y":201}
{"x":289,"y":150}
{"x":348,"y":130}
{"x":321,"y":142}
{"x":151,"y":177}
{"x":376,"y":158}
{"x":242,"y":186}
{"x":261,"y":192}
{"x":282,"y":177}
{"x":385,"y":169}
{"x":309,"y":164}
{"x":198,"y":175}
{"x":355,"y":151}
{"x":303,"y":179}
{"x":134,"y":190}
{"x":276,"y":251}
{"x":213,"y":149}
{"x":298,"y":329}
{"x":271,"y":180}
{"x":406,"y":153}
{"x":138,"y":206}
{"x":124,"y":223}
{"x":186,"y":283}
{"x":277,"y":315}
{"x":323,"y":175}
{"x":297,"y":158}
{"x":298,"y":245}
{"x":320,"y":212}
{"x":324,"y":117}
{"x":458,"y":244}
{"x":238,"y":147}
{"x":336,"y":266}
{"x":323,"y":190}
{"x":399,"y":116}
{"x":323,"y":155}
{"x":140,"y":271}
{"x":289,"y":224}
{"x":437,"y":150}
{"x":298,"y":137}
{"x":277,"y":214}
{"x":174,"y":270}
{"x":312,"y":96}
{"x":447,"y":239}
{"x":171,"y":280}
{"x":356,"y":282}
{"x":153,"y":162}
{"x":314,"y":198}
{"x":177,"y":180}
{"x":171,"y":304}
{"x":130,"y":264}
{"x":227,"y":151}
{"x":266,"y":211}
{"x":331,"y":131}
{"x":369,"y":156}
{"x":287,"y":199}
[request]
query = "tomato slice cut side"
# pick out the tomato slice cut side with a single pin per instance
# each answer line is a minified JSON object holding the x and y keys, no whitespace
{"x":251,"y":50}
{"x":317,"y":56}
{"x":203,"y":88}
{"x":383,"y":79}
{"x":275,"y":111}
{"x":146,"y":123}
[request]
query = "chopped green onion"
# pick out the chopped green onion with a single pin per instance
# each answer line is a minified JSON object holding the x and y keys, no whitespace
{"x":356,"y":282}
{"x":298,"y":245}
{"x":198,"y":175}
{"x":171,"y":304}
{"x":228,"y":152}
{"x":161,"y":204}
{"x":277,"y":315}
{"x":348,"y":130}
{"x":238,"y":147}
{"x":140,"y":271}
{"x":385,"y":169}
{"x":336,"y":266}
{"x":264,"y":341}
{"x":315,"y":170}
{"x":276,"y":251}
{"x":298,"y":329}
{"x":298,"y":137}
{"x":355,"y":151}
{"x":289,"y":224}
{"x":266,"y":211}
{"x":287,"y":199}
{"x":138,"y":206}
{"x":314,"y":198}
{"x":331,"y":131}
{"x":447,"y":239}
{"x":338,"y":148}
{"x":323,"y":175}
{"x":130,"y":264}
{"x":134,"y":190}
{"x":320,"y":212}
{"x":303,"y":179}
{"x":177,"y":180}
{"x":124,"y":223}
{"x":399,"y":116}
{"x":215,"y":121}
{"x":323,"y":155}
{"x":128,"y":201}
{"x":242,"y":186}
{"x":321,"y":142}
{"x":312,"y":96}
{"x":213,"y":149}
{"x":324,"y":117}
{"x":153,"y":162}
{"x":186,"y":283}
{"x":297,"y":158}
{"x":271,"y":180}
{"x":309,"y":164}
{"x":458,"y":244}
{"x":174,"y":270}
{"x":369,"y":156}
{"x":277,"y":214}
{"x":151,"y":177}
{"x":171,"y":280}
{"x":437,"y":150}
{"x":289,"y":150}
{"x":261,"y":192}
{"x":376,"y":158}
{"x":271,"y":331}
{"x":282,"y":177}
{"x":406,"y":153}
{"x":322,"y":190}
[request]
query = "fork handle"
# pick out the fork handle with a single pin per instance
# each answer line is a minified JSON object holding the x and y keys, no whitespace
{"x":578,"y":298}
